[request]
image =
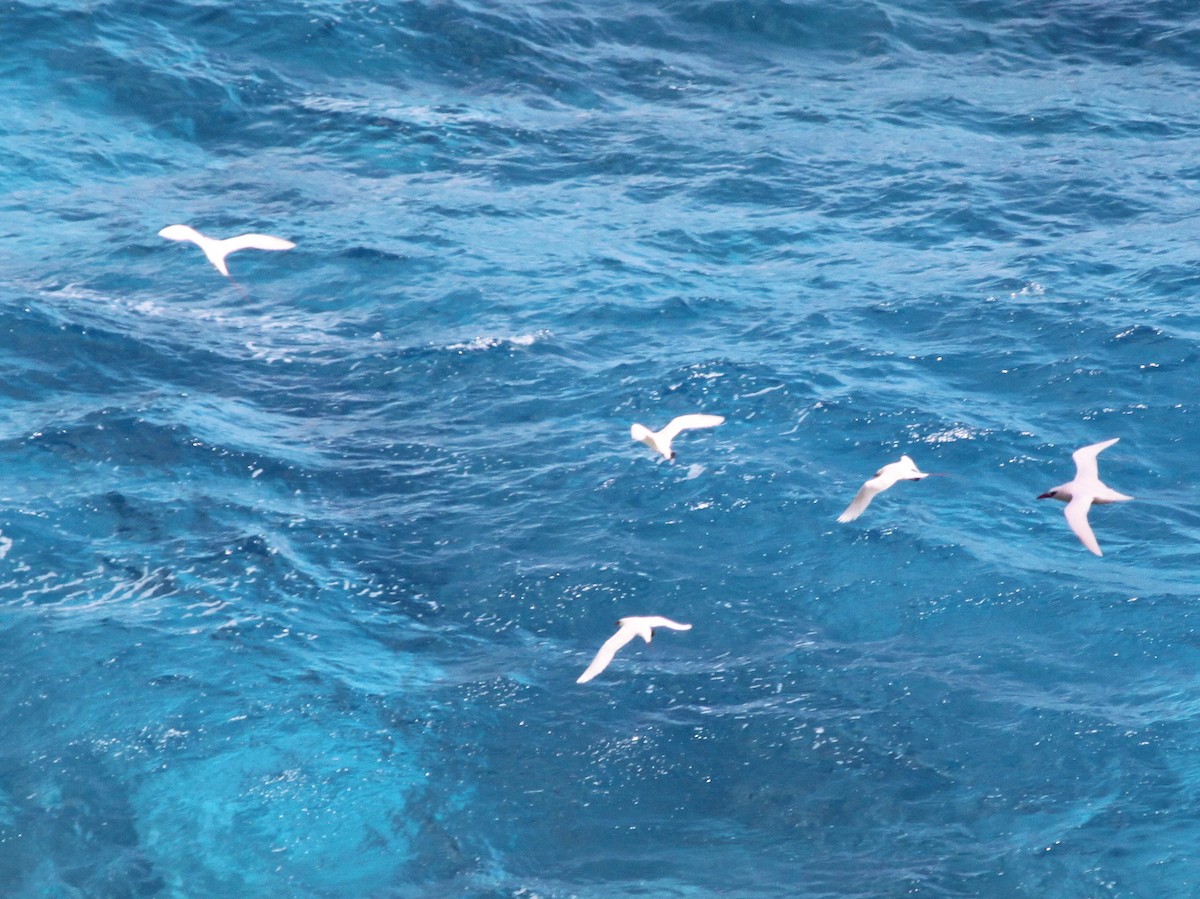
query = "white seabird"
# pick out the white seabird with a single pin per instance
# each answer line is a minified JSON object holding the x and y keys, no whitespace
{"x":627,"y":628}
{"x":216,"y":250}
{"x":904,"y":470}
{"x":1085,"y":489}
{"x":660,"y":441}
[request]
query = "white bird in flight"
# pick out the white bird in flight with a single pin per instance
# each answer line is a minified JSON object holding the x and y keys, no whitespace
{"x":627,"y":628}
{"x":904,"y":470}
{"x":660,"y":441}
{"x":1085,"y":489}
{"x":216,"y":250}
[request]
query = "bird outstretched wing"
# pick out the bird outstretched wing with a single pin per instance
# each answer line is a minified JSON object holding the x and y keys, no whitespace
{"x":861,"y":500}
{"x":606,"y":653}
{"x":687,"y":422}
{"x":255,"y":242}
{"x":1077,"y":517}
{"x":1086,"y":465}
{"x":884,"y":478}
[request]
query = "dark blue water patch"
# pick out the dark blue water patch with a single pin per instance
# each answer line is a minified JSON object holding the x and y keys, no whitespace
{"x":1027,"y":31}
{"x":69,"y":824}
{"x":190,"y":100}
{"x":1119,"y":36}
{"x":861,"y":27}
{"x":1168,"y":280}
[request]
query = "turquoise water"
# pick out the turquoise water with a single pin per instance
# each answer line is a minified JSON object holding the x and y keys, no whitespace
{"x":299,"y":569}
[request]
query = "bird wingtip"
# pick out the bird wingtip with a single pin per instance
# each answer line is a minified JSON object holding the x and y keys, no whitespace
{"x":849,"y":514}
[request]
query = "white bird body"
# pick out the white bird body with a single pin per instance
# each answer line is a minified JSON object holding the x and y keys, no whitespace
{"x":1086,"y":488}
{"x":216,"y":250}
{"x":627,"y":628}
{"x":904,"y":470}
{"x":660,"y":441}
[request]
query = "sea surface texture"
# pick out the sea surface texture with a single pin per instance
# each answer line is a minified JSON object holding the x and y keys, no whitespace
{"x":298,"y":568}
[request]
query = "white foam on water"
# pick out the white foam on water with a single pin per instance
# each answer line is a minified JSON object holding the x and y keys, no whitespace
{"x":492,"y":342}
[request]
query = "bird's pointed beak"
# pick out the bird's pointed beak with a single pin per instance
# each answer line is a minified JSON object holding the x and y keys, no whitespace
{"x":1045,"y":496}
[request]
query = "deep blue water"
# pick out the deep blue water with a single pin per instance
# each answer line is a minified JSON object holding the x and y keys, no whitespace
{"x":298,"y":570}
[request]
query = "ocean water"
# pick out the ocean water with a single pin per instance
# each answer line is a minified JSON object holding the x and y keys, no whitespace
{"x":299,"y":568}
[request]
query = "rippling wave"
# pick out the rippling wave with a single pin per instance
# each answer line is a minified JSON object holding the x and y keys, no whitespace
{"x":298,"y":569}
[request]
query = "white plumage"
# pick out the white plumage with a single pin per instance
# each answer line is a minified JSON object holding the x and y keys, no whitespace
{"x":216,"y":250}
{"x":660,"y":441}
{"x":1085,"y":489}
{"x":627,"y":628}
{"x":904,"y":470}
